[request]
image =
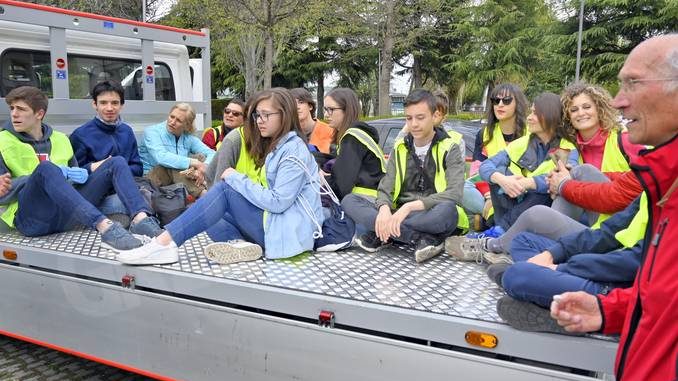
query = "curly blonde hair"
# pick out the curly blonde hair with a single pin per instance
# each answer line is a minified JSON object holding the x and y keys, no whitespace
{"x":608,"y":115}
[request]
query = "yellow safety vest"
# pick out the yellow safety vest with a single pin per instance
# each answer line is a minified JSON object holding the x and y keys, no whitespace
{"x":614,"y":160}
{"x":516,"y":149}
{"x":248,"y":167}
{"x":439,"y":150}
{"x":21,"y":160}
{"x":633,"y":233}
{"x":246,"y":164}
{"x":496,"y":144}
{"x":365,"y":139}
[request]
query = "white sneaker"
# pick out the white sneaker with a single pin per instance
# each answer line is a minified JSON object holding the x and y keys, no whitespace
{"x":151,"y":253}
{"x":234,"y":251}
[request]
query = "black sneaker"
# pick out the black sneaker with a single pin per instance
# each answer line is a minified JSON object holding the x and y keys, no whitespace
{"x":526,"y":316}
{"x":428,"y":247}
{"x":496,"y":272}
{"x":370,"y":242}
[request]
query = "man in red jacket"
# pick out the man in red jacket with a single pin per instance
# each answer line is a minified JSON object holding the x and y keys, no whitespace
{"x":646,"y":314}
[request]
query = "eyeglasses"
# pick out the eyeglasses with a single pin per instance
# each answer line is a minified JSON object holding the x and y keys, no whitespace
{"x":628,"y":84}
{"x":232,"y":112}
{"x":263,"y":115}
{"x":507,"y":100}
{"x":330,"y":110}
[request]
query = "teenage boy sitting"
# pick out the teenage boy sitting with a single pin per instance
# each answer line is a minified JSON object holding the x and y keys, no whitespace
{"x":418,"y":197}
{"x":41,"y":199}
{"x":105,"y":136}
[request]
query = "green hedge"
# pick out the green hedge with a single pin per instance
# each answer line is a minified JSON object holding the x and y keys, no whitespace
{"x":218,"y":108}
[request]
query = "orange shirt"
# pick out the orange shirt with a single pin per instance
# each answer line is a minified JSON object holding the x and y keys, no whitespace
{"x":322,"y":136}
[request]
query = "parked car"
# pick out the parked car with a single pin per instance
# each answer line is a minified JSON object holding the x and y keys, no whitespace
{"x":389,"y":131}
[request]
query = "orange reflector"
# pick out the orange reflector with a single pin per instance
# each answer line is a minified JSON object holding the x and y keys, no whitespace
{"x":481,"y":339}
{"x":9,"y":254}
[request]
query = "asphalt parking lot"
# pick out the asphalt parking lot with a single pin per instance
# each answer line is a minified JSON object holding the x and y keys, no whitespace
{"x":22,"y":361}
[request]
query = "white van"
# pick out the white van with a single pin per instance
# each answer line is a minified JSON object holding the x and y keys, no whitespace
{"x":97,"y":52}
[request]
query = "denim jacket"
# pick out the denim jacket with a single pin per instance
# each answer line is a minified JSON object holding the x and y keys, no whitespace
{"x":293,"y":214}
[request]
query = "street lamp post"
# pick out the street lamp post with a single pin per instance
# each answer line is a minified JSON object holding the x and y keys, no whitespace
{"x":581,"y":24}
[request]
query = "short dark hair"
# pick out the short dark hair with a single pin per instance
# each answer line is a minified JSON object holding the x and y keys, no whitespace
{"x":237,"y":101}
{"x":301,"y":94}
{"x":108,"y":86}
{"x":421,"y":95}
{"x":35,"y":98}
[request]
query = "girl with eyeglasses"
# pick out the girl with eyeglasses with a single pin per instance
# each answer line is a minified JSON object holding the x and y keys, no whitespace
{"x":234,"y":114}
{"x":359,"y":163}
{"x":605,"y":155}
{"x":517,"y":174}
{"x":273,"y":204}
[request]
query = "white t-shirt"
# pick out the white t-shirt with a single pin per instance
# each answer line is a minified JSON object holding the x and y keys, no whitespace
{"x":421,"y":152}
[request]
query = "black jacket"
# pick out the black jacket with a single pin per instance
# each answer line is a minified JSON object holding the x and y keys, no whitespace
{"x":355,"y":165}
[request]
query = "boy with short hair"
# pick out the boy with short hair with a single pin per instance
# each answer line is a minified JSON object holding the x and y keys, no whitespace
{"x":105,"y":136}
{"x":418,"y":197}
{"x":41,"y":199}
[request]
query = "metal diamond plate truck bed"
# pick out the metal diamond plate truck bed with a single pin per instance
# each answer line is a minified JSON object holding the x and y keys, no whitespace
{"x":381,"y":315}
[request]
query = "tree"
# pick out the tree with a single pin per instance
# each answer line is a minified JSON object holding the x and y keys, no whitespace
{"x":610,"y":30}
{"x":126,"y":9}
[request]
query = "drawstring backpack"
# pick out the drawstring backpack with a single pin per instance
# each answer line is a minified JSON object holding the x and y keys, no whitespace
{"x":337,"y":231}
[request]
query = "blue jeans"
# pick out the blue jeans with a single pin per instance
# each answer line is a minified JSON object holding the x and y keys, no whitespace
{"x":441,"y":220}
{"x":507,"y":209}
{"x":472,"y":201}
{"x":224,"y":214}
{"x":114,"y":176}
{"x":50,"y":204}
{"x":112,"y":204}
{"x":538,"y":284}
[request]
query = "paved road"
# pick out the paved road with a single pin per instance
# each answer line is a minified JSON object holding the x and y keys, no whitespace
{"x":21,"y":361}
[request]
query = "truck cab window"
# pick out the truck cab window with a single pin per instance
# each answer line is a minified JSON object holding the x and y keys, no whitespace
{"x":32,"y":68}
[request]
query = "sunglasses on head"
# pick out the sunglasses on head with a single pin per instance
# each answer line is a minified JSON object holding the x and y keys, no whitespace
{"x":505,"y":100}
{"x":232,"y":112}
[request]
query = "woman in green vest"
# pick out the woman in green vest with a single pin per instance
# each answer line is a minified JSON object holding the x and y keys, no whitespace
{"x":505,"y":121}
{"x":506,"y":112}
{"x":601,"y":141}
{"x":360,"y":163}
{"x":517,"y":174}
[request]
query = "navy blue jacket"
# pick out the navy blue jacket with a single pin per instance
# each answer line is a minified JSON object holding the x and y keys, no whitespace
{"x":96,"y":140}
{"x":596,"y":254}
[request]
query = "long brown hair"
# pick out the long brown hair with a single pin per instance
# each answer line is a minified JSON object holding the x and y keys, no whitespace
{"x":349,"y":103}
{"x":522,"y":110}
{"x":283,"y":101}
{"x":549,"y":111}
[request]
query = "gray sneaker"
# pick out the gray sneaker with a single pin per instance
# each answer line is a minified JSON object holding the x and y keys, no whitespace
{"x":427,"y":247}
{"x":234,"y":251}
{"x":496,"y":272}
{"x":526,"y":316}
{"x":120,"y":218}
{"x":117,"y":238}
{"x":149,"y":227}
{"x":496,"y":258}
{"x":466,"y":249}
